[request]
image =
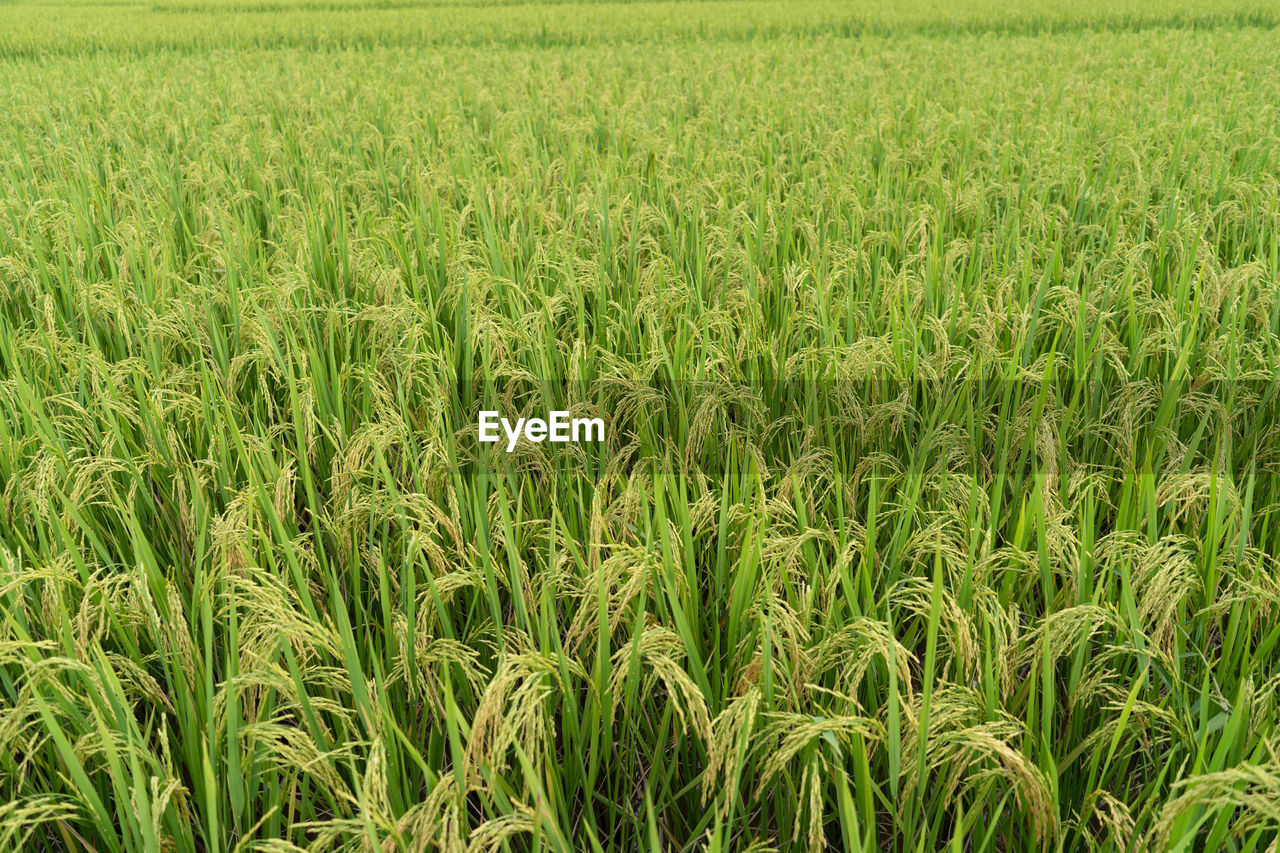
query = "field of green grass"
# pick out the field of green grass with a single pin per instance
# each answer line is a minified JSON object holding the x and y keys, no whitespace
{"x":938,"y":346}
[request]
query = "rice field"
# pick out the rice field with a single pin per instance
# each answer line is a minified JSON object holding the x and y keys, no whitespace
{"x":938,"y":351}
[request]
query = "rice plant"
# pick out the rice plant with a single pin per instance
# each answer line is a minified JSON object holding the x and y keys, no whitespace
{"x":938,"y":353}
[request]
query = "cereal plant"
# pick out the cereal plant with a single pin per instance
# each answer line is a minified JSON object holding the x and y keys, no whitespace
{"x":937,"y":349}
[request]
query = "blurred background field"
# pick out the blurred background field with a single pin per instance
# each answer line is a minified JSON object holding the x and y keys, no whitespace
{"x":36,"y":29}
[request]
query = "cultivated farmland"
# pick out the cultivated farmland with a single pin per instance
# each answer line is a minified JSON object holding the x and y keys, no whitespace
{"x":938,"y":352}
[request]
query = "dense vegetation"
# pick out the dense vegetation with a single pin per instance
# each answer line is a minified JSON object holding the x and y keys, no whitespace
{"x":940,"y":357}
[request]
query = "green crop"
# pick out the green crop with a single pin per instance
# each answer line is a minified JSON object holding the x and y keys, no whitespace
{"x":938,"y":348}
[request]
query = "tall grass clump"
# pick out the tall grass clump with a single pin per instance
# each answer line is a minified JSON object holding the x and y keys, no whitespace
{"x":940,"y":363}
